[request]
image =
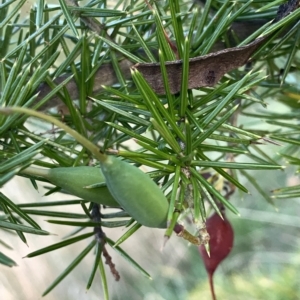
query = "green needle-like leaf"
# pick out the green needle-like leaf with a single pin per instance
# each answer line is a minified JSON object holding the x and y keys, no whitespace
{"x":127,"y":234}
{"x":68,"y":17}
{"x":22,"y":157}
{"x":229,"y":165}
{"x":184,"y":78}
{"x":212,"y":129}
{"x":12,"y":13}
{"x":214,"y":192}
{"x":67,"y":271}
{"x":23,"y":228}
{"x":128,"y":258}
{"x":98,"y":253}
{"x":261,"y":191}
{"x":5,"y":260}
{"x":60,"y":245}
{"x":103,"y":280}
{"x":97,"y":12}
{"x":90,"y":224}
{"x":18,"y":211}
{"x":174,"y":193}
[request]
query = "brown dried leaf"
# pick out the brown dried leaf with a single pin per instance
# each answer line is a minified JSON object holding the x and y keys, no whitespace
{"x":206,"y":70}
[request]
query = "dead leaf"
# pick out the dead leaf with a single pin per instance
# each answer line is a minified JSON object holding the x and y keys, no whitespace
{"x":206,"y":70}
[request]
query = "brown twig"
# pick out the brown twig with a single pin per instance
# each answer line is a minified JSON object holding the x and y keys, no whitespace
{"x":108,"y":261}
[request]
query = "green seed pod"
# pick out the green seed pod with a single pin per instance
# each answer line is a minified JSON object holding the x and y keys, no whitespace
{"x":74,"y":180}
{"x":134,"y":190}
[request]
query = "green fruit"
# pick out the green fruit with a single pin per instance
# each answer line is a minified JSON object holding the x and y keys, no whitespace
{"x":134,"y":190}
{"x":74,"y":180}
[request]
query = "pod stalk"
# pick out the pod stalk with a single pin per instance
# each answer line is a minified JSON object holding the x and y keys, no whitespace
{"x":182,"y":232}
{"x":35,"y":172}
{"x":211,"y":284}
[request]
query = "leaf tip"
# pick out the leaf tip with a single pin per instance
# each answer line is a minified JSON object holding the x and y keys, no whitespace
{"x":207,"y":249}
{"x":166,"y":239}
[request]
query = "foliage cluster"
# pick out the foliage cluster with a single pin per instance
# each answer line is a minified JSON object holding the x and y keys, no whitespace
{"x":193,"y":142}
